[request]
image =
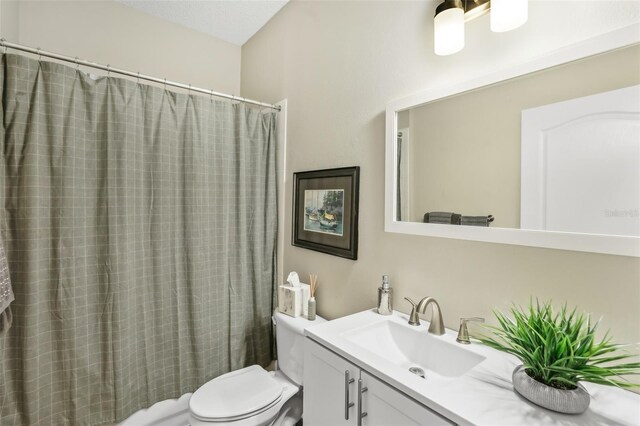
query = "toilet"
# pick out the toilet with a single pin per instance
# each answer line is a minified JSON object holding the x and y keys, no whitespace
{"x":253,"y":396}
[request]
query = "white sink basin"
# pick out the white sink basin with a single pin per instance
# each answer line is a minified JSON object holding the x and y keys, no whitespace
{"x":407,"y":346}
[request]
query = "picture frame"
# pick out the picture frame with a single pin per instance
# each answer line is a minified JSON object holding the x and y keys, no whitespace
{"x":325,"y":211}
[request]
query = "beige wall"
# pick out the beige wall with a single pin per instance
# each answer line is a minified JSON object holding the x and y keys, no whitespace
{"x":465,"y":153}
{"x":339,"y":64}
{"x":9,"y":16}
{"x":108,"y":32}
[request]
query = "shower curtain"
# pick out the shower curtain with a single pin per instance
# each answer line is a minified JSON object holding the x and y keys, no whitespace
{"x":140,"y":226}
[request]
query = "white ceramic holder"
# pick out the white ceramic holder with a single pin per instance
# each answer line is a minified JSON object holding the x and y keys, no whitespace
{"x":294,"y":301}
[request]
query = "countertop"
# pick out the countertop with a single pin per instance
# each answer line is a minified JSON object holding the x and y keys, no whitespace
{"x":482,"y":396}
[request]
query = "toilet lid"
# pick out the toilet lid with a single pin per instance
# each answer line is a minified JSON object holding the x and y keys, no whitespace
{"x":235,"y":395}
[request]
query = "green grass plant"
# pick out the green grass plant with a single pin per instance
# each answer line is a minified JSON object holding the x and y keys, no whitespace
{"x":560,"y":349}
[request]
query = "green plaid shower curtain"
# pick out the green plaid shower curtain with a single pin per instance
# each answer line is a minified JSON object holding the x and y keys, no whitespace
{"x":140,"y":227}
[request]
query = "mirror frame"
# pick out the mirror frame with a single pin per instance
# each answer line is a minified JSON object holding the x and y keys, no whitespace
{"x":594,"y":243}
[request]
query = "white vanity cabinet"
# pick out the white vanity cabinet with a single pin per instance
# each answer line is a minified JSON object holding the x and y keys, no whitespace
{"x":328,"y":381}
{"x":336,"y":391}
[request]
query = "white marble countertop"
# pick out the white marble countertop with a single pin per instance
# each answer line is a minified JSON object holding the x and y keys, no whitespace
{"x":482,"y":396}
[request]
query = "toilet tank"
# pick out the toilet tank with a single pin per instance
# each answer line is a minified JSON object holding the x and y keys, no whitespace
{"x":290,"y":342}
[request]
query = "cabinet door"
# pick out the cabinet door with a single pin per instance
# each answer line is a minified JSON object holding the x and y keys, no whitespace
{"x":386,"y":406}
{"x":328,"y":381}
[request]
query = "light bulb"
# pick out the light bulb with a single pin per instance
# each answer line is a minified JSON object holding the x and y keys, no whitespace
{"x":449,"y":31}
{"x":507,"y":15}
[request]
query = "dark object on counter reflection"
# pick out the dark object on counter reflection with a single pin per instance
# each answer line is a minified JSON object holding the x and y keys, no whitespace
{"x":450,"y":218}
{"x":443,"y":218}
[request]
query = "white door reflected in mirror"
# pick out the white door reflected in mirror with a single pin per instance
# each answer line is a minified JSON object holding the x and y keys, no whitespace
{"x":581,"y":165}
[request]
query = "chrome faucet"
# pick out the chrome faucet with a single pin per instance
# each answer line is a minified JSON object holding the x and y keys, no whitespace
{"x":436,"y":325}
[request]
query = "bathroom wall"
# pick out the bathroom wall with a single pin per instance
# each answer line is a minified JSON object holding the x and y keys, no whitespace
{"x":9,"y":15}
{"x":108,"y":32}
{"x":339,"y":64}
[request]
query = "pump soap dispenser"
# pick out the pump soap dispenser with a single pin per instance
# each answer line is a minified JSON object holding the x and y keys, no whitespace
{"x":385,"y":297}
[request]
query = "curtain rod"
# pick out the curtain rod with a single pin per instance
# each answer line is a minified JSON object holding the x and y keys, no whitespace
{"x":137,"y":75}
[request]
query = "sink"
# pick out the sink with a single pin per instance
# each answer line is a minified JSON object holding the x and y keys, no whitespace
{"x":409,"y":347}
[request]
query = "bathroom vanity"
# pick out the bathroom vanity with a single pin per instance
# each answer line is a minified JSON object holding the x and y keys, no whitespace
{"x":341,"y":392}
{"x":365,"y":369}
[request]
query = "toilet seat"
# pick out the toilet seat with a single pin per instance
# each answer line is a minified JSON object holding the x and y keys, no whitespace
{"x":236,"y":395}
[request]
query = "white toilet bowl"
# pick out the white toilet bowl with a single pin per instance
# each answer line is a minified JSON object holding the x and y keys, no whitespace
{"x":247,"y":397}
{"x":252,"y":396}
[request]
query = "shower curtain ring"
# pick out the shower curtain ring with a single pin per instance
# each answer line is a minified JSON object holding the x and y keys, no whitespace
{"x":2,"y":40}
{"x":189,"y":90}
{"x":211,"y":95}
{"x":77,"y":63}
{"x":108,"y":70}
{"x":39,"y":55}
{"x":138,"y":79}
{"x":165,"y":84}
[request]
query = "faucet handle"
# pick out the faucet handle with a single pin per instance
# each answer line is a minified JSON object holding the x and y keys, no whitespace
{"x":414,"y":319}
{"x":463,"y":332}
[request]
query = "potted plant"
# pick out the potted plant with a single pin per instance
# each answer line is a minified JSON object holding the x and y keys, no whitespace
{"x":559,"y":350}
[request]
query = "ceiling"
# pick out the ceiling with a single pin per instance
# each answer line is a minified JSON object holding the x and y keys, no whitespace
{"x":234,"y":21}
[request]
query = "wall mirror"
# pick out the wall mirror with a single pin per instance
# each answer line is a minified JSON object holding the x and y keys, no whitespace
{"x":546,"y":154}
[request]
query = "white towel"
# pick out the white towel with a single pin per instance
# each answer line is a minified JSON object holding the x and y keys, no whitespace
{"x":6,"y":292}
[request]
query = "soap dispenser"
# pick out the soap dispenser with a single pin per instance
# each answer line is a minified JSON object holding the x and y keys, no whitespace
{"x":385,"y":297}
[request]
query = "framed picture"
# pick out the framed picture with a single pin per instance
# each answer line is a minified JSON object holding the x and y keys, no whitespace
{"x":325,"y":211}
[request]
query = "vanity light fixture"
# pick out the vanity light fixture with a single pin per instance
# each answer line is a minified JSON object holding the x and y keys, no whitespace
{"x":451,"y":15}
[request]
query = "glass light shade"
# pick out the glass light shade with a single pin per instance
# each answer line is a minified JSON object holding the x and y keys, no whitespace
{"x":449,"y":31}
{"x":507,"y":15}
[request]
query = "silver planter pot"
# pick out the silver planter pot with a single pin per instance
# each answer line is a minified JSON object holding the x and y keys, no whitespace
{"x":574,"y":401}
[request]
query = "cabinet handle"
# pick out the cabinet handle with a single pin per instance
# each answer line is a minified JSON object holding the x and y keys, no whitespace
{"x":347,"y":404}
{"x":361,"y":390}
